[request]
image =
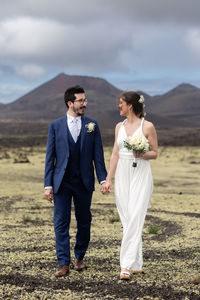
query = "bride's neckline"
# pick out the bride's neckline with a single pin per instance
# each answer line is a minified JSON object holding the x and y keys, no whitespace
{"x":134,"y":131}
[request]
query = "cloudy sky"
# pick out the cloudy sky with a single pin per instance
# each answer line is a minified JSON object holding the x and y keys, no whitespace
{"x":149,"y":45}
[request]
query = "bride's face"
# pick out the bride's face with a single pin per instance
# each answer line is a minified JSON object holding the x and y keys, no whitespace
{"x":124,"y":108}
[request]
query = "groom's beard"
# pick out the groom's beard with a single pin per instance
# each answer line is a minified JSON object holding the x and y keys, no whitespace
{"x":79,"y":111}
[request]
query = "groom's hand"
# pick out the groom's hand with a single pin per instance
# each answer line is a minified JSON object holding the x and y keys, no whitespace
{"x":49,"y":194}
{"x":105,"y":188}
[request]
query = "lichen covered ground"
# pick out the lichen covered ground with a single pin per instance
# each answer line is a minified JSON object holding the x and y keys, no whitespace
{"x":171,"y":242}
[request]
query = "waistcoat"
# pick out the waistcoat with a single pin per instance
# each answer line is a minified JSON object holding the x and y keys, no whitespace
{"x":72,"y":172}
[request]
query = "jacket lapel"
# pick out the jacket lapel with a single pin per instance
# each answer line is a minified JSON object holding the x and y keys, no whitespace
{"x":65,"y":133}
{"x":83,"y":130}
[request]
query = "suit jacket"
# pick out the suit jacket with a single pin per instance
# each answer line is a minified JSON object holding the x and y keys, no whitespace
{"x":57,"y":154}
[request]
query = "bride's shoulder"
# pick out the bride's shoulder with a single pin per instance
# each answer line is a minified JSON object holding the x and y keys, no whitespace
{"x":148,"y":126}
{"x":117,"y":127}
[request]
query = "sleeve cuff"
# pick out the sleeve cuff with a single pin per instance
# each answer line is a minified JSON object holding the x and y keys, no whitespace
{"x":48,"y":187}
{"x":102,"y":181}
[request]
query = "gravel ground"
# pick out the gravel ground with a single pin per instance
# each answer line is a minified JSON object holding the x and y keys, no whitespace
{"x":171,"y":254}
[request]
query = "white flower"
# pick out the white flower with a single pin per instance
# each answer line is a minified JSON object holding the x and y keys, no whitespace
{"x":90,"y":126}
{"x":130,"y":140}
{"x":137,"y":143}
{"x":141,"y":100}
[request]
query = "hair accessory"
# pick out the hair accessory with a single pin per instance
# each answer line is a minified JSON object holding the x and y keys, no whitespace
{"x":141,"y":100}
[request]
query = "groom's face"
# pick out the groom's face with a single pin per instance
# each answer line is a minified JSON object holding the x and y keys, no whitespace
{"x":79,"y":105}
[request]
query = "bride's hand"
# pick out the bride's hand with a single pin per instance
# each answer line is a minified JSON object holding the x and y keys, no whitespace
{"x":109,"y":185}
{"x":106,"y":187}
{"x":138,"y":154}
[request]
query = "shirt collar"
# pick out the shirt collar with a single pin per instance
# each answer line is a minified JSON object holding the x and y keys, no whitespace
{"x":71,"y":118}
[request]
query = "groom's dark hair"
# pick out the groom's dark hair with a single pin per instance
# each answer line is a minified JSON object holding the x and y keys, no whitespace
{"x":69,"y":93}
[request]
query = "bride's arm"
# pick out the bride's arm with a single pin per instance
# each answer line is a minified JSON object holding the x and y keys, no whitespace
{"x":113,"y":159}
{"x":153,"y":140}
{"x":150,"y":133}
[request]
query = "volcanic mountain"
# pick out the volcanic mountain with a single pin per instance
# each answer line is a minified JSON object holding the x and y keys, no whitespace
{"x":177,"y":108}
{"x":46,"y":102}
{"x":181,"y":103}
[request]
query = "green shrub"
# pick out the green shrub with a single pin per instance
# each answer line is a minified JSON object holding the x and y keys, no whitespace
{"x":153,"y":229}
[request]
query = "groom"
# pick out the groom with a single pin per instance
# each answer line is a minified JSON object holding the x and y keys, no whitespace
{"x":73,"y":145}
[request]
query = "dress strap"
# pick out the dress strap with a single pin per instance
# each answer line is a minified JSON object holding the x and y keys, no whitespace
{"x":141,"y":124}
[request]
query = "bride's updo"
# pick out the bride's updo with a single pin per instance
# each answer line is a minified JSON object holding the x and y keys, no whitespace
{"x":135,"y":100}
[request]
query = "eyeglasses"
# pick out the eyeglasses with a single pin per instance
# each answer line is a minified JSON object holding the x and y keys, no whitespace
{"x":81,"y":101}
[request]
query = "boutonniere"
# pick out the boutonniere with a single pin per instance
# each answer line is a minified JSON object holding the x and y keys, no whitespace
{"x":90,"y":126}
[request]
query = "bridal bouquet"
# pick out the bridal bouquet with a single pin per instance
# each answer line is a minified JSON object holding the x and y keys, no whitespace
{"x":138,"y":143}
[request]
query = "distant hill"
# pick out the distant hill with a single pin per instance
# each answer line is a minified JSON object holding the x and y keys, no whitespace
{"x":2,"y":106}
{"x":181,"y":103}
{"x":45,"y":103}
{"x":183,"y":88}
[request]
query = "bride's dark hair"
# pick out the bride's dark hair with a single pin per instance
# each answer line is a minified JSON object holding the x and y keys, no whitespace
{"x":133,"y":99}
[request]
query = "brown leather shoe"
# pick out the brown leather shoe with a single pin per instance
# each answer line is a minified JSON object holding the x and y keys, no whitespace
{"x":62,"y":271}
{"x":79,"y":265}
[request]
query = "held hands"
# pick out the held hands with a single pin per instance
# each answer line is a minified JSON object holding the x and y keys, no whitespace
{"x":49,"y":194}
{"x":106,"y":187}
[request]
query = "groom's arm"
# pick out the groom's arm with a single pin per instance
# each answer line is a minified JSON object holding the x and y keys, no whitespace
{"x":99,"y":156}
{"x":50,"y":157}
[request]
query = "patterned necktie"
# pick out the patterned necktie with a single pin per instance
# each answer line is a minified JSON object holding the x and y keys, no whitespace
{"x":74,"y":129}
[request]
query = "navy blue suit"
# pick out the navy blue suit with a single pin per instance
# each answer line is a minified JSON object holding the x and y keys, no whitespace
{"x":69,"y":170}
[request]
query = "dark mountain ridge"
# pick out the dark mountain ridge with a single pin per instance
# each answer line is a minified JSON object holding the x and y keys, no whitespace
{"x":181,"y":103}
{"x":179,"y":107}
{"x":47,"y":101}
{"x":183,"y":88}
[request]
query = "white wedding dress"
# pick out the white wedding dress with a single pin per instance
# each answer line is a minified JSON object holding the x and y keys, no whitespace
{"x":133,"y":190}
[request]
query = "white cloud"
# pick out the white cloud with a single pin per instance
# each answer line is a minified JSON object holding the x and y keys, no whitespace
{"x":27,"y":38}
{"x":113,"y":35}
{"x":96,"y":49}
{"x":82,"y":11}
{"x":30,"y":71}
{"x":192,"y":40}
{"x":134,"y":39}
{"x":47,"y":42}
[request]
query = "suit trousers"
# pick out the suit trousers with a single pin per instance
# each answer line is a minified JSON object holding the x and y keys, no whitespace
{"x":62,"y":215}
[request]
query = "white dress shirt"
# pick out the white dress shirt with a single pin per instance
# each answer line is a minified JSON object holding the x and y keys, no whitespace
{"x":70,"y":122}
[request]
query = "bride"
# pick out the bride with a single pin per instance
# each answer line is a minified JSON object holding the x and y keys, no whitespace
{"x":133,"y":185}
